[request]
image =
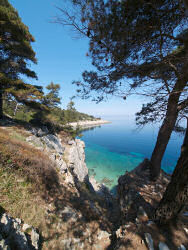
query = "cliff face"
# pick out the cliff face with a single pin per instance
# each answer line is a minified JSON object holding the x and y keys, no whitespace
{"x":69,"y":156}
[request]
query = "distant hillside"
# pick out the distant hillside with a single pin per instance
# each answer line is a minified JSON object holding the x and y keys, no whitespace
{"x":54,"y":115}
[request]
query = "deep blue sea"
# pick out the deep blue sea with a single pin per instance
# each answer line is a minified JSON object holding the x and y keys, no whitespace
{"x":113,"y":148}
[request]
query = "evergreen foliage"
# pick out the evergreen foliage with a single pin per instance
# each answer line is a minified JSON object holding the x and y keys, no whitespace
{"x":137,"y":47}
{"x":15,"y":54}
{"x":52,"y":99}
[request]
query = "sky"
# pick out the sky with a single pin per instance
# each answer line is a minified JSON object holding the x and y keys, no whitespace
{"x":62,"y":58}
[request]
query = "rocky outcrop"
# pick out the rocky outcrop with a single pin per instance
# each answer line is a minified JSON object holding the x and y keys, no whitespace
{"x":76,"y":160}
{"x":138,"y":198}
{"x":16,"y":235}
{"x":135,"y":190}
{"x":68,"y":157}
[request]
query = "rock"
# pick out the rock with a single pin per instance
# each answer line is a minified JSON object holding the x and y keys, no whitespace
{"x":71,"y":142}
{"x":103,"y":235}
{"x":26,"y":228}
{"x":35,"y":238}
{"x":10,"y":228}
{"x":163,"y":246}
{"x":181,"y":247}
{"x":186,"y":230}
{"x":5,"y":224}
{"x":35,"y":141}
{"x":52,"y":142}
{"x":76,"y":160}
{"x":3,"y":245}
{"x":62,"y":166}
{"x":149,"y":241}
{"x":99,"y":188}
{"x":19,"y":239}
{"x":69,"y":214}
{"x":39,"y":132}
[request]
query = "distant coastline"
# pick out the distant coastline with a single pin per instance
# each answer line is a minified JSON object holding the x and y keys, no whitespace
{"x":88,"y":124}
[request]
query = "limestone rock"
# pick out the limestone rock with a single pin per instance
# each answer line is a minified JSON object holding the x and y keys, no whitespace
{"x":10,"y":228}
{"x":71,"y":142}
{"x":40,"y":131}
{"x":3,"y":245}
{"x":35,"y":238}
{"x":52,"y":142}
{"x":35,"y":141}
{"x":76,"y":160}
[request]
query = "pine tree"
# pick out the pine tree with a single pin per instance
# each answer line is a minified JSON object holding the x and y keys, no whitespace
{"x":52,"y":99}
{"x":137,"y":47}
{"x":15,"y":54}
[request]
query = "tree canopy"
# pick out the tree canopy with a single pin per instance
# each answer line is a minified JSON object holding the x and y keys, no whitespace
{"x":15,"y":55}
{"x":52,"y":99}
{"x":136,"y":47}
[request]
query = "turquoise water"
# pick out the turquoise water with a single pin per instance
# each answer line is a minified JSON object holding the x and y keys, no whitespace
{"x":115,"y":148}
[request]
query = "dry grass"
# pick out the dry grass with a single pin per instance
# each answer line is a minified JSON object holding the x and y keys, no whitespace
{"x":28,"y":180}
{"x":30,"y":163}
{"x":31,"y":189}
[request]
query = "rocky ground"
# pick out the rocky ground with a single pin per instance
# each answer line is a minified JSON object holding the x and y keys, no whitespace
{"x":76,"y":211}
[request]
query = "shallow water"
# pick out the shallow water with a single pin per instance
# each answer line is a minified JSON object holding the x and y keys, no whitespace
{"x":115,"y":148}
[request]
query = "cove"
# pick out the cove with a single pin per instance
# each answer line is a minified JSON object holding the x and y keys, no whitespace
{"x":112,"y":149}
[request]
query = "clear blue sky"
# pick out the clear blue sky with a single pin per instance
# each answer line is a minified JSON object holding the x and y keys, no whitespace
{"x":62,"y":58}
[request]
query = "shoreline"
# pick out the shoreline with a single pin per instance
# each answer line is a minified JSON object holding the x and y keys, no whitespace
{"x":88,"y":124}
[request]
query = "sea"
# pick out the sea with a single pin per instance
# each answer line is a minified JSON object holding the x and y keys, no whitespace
{"x":114,"y":148}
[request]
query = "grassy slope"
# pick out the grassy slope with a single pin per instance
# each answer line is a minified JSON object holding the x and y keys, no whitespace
{"x":32,"y":189}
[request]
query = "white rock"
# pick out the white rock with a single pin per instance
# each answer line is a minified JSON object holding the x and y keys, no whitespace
{"x":149,"y":241}
{"x":71,"y":142}
{"x":26,"y":227}
{"x":103,"y":235}
{"x":163,"y":246}
{"x":35,"y":238}
{"x":18,"y":220}
{"x":3,"y":245}
{"x":76,"y":159}
{"x":52,"y":142}
{"x":186,"y":230}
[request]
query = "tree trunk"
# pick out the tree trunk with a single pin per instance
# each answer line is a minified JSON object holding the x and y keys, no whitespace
{"x":1,"y":103}
{"x":164,"y":136}
{"x":167,"y":127}
{"x":176,"y":194}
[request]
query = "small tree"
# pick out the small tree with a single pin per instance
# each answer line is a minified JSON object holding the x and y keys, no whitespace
{"x":15,"y":54}
{"x":52,"y":99}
